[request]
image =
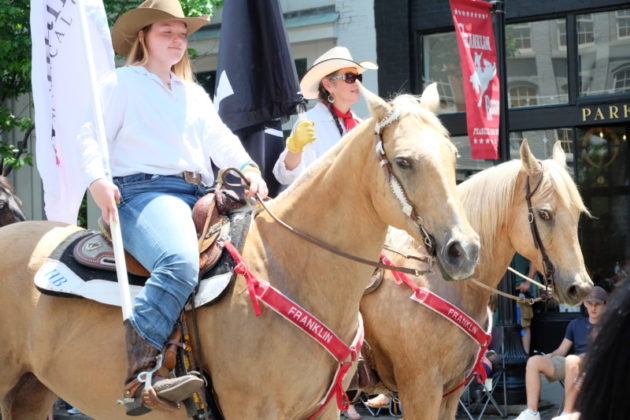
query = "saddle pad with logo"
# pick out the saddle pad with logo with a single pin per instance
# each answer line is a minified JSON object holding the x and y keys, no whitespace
{"x":61,"y":275}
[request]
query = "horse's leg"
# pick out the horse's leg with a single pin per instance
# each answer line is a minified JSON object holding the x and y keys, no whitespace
{"x":420,"y":394}
{"x":29,"y":399}
{"x":448,"y":408}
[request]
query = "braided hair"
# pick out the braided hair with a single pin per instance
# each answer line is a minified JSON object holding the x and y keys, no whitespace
{"x":323,"y":96}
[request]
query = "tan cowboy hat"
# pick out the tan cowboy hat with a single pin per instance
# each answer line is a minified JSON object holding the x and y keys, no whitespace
{"x":126,"y":28}
{"x":332,"y":60}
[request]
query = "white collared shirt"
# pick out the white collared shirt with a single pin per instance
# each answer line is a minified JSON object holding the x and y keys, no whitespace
{"x":156,"y":130}
{"x":327,"y":135}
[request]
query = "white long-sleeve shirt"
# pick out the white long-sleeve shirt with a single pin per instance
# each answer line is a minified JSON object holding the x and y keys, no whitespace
{"x":327,"y":135}
{"x":156,"y":130}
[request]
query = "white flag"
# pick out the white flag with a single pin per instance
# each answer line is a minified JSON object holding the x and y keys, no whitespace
{"x":63,"y":94}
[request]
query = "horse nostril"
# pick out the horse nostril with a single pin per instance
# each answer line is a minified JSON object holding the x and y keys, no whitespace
{"x":572,"y":291}
{"x":455,"y":251}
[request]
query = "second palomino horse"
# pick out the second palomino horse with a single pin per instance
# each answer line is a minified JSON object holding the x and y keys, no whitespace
{"x":421,"y":354}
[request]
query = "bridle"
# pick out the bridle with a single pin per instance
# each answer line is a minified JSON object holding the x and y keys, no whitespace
{"x":395,"y":185}
{"x":548,"y":268}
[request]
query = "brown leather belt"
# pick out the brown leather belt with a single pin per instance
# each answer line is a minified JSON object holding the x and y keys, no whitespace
{"x":190,"y":177}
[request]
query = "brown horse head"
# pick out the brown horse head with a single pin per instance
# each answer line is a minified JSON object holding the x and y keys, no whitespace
{"x":10,"y":204}
{"x":422,"y":159}
{"x":557,"y":206}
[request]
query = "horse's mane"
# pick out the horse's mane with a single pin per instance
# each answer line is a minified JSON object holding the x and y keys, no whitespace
{"x":487,"y":196}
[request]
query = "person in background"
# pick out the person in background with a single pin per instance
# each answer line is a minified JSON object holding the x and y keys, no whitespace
{"x":604,"y":391}
{"x":553,"y":365}
{"x":162,"y":132}
{"x":525,"y":313}
{"x":332,"y":81}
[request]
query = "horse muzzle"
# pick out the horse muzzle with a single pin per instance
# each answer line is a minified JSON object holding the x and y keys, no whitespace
{"x":458,"y":257}
{"x":571,"y":289}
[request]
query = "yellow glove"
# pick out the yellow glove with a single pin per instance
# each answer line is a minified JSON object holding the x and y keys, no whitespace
{"x":303,"y":134}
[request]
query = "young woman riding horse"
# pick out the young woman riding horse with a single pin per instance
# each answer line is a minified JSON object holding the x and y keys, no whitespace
{"x":163,"y":132}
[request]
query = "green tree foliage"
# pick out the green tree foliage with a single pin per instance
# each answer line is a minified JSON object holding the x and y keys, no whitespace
{"x":15,"y":70}
{"x":15,"y":80}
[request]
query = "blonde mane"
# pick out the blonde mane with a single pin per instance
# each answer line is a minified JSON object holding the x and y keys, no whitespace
{"x":488,"y":195}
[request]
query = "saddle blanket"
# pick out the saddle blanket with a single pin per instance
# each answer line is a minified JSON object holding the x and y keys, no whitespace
{"x":61,"y":275}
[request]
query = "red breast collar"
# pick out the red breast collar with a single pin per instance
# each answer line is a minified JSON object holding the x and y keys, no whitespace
{"x":344,"y":355}
{"x":458,"y":317}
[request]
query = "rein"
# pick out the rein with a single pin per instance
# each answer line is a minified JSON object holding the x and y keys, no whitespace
{"x":330,"y":248}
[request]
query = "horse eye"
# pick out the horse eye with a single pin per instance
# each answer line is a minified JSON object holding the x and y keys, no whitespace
{"x":404,"y":163}
{"x":544,"y":214}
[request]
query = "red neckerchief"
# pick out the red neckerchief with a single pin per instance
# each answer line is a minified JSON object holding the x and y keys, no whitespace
{"x":348,"y":119}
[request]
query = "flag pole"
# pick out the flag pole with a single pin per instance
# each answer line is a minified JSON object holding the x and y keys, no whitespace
{"x":119,"y":252}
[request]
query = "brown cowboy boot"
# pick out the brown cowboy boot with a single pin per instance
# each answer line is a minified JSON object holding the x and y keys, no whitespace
{"x":164,"y":393}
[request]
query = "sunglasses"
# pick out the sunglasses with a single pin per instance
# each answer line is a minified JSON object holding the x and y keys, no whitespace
{"x":348,"y":77}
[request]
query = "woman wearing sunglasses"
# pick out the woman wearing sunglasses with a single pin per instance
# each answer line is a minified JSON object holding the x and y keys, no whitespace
{"x":332,"y":80}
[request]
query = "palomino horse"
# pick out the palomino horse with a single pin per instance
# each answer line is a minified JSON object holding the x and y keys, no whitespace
{"x":263,"y":367}
{"x":423,"y":355}
{"x":10,"y":204}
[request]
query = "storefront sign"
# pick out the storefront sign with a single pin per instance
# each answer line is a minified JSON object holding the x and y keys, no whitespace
{"x":475,"y":39}
{"x":606,"y":113}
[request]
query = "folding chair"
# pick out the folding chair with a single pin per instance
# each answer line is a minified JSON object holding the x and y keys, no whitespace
{"x":495,"y":379}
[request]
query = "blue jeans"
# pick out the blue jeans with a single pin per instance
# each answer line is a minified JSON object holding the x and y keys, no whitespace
{"x":157,"y":229}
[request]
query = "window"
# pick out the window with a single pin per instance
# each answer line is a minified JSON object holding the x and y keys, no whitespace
{"x":521,"y":36}
{"x":562,"y":33}
{"x":585,"y":29}
{"x":623,"y":23}
{"x":604,"y":61}
{"x":537,"y":72}
{"x":522,"y":96}
{"x":621,"y":82}
{"x":565,"y":136}
{"x":541,"y":143}
{"x":440,"y":58}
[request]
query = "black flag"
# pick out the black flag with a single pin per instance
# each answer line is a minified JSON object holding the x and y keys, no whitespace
{"x":256,"y":81}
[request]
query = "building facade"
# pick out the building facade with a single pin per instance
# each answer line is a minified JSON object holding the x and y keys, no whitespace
{"x":568,"y":80}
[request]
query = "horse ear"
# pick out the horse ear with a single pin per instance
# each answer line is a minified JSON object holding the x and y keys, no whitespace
{"x":530,"y":163}
{"x":430,"y":98}
{"x":559,"y":155}
{"x":379,"y":108}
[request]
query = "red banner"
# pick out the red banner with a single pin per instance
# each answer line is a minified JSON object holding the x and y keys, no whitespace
{"x":477,"y":51}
